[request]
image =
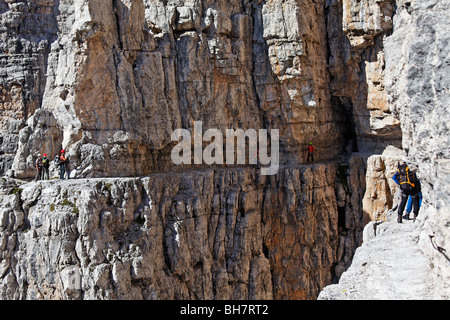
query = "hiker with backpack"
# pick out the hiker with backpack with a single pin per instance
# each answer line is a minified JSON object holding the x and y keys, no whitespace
{"x":38,"y":166}
{"x":410,"y":187}
{"x":45,"y":168}
{"x":310,"y":149}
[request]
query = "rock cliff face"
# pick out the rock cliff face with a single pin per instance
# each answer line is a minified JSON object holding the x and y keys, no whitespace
{"x":123,"y":75}
{"x":416,"y":54}
{"x":27,"y":30}
{"x":417,"y":78}
{"x":212,"y":234}
{"x":110,"y":81}
{"x":356,"y":33}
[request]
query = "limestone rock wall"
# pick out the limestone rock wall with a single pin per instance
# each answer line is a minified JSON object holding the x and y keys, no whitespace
{"x":120,"y":76}
{"x":417,"y":64}
{"x":27,"y":30}
{"x":414,"y":43}
{"x":382,"y":193}
{"x":356,"y":33}
{"x":110,"y":81}
{"x":212,"y":234}
{"x":123,"y":75}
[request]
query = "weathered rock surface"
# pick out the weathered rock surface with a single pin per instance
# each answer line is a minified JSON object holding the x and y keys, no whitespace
{"x":212,"y":234}
{"x":388,"y":266}
{"x":27,"y":29}
{"x":110,"y":81}
{"x":417,"y":77}
{"x":356,"y":33}
{"x":380,"y":187}
{"x":123,"y":75}
{"x":416,"y":83}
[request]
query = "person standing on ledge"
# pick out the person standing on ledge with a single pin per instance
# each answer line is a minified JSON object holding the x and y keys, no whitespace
{"x":311,"y":150}
{"x":62,"y":164}
{"x":45,"y":168}
{"x":410,"y":186}
{"x":38,"y":166}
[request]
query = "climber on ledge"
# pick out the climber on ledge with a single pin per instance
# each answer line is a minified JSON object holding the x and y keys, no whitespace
{"x":45,"y":168}
{"x":62,"y":164}
{"x":410,"y":186}
{"x":310,"y":149}
{"x":38,"y":166}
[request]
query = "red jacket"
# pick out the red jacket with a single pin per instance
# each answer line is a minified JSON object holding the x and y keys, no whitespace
{"x":310,"y":149}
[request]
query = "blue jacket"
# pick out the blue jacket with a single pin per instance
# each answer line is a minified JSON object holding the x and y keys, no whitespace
{"x":396,"y":178}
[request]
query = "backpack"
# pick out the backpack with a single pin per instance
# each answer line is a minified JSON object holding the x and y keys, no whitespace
{"x":57,"y":160}
{"x":407,"y":179}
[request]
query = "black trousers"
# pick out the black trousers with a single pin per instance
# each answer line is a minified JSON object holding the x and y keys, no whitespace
{"x":38,"y":175}
{"x":415,"y":203}
{"x":310,"y":156}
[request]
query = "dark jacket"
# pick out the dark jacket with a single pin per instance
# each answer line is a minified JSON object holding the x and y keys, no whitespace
{"x":418,"y":187}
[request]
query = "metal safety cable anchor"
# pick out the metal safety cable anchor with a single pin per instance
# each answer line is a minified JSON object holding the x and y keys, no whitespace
{"x":438,"y":248}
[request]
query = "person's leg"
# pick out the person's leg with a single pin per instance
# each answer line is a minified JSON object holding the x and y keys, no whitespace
{"x":401,"y":207}
{"x":67,"y":170}
{"x":416,"y":205}
{"x":409,"y":207}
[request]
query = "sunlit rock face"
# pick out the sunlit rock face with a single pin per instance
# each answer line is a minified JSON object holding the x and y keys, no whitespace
{"x":208,"y":234}
{"x":110,"y":81}
{"x":122,"y":76}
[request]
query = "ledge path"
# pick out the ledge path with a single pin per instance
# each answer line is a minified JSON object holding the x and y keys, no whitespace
{"x":388,"y":266}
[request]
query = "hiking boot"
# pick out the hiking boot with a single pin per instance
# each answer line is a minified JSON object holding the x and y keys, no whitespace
{"x":399,"y":219}
{"x":415,"y":217}
{"x":406,"y":216}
